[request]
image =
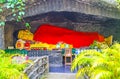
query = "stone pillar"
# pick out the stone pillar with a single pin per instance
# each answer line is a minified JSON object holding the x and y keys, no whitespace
{"x":1,"y":37}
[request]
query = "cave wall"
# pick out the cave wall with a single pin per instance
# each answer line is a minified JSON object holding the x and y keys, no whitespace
{"x":75,"y":21}
{"x":8,"y":34}
{"x":1,"y":37}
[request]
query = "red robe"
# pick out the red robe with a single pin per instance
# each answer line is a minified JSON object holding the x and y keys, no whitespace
{"x":54,"y":34}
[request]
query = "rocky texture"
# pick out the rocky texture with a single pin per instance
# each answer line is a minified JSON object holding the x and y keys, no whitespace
{"x":1,"y":37}
{"x":9,"y":37}
{"x":94,"y":7}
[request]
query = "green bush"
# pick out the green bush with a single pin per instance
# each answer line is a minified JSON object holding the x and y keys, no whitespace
{"x":99,"y":45}
{"x":9,"y":70}
{"x":104,"y":64}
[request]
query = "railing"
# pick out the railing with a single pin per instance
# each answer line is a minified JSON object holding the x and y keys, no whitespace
{"x":39,"y":67}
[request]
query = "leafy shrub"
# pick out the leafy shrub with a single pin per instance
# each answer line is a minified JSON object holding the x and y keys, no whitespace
{"x":104,"y":64}
{"x":8,"y":70}
{"x":99,"y":45}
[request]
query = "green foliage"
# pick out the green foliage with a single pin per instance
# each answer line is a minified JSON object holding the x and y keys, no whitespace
{"x":99,"y":65}
{"x":15,"y":7}
{"x":99,"y":45}
{"x":2,"y":52}
{"x":2,"y":23}
{"x":2,"y":1}
{"x":118,"y":3}
{"x":9,"y":70}
{"x":27,"y":25}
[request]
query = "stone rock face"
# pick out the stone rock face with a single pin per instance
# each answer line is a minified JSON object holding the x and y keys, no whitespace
{"x":9,"y":36}
{"x":93,"y":7}
{"x":1,"y":37}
